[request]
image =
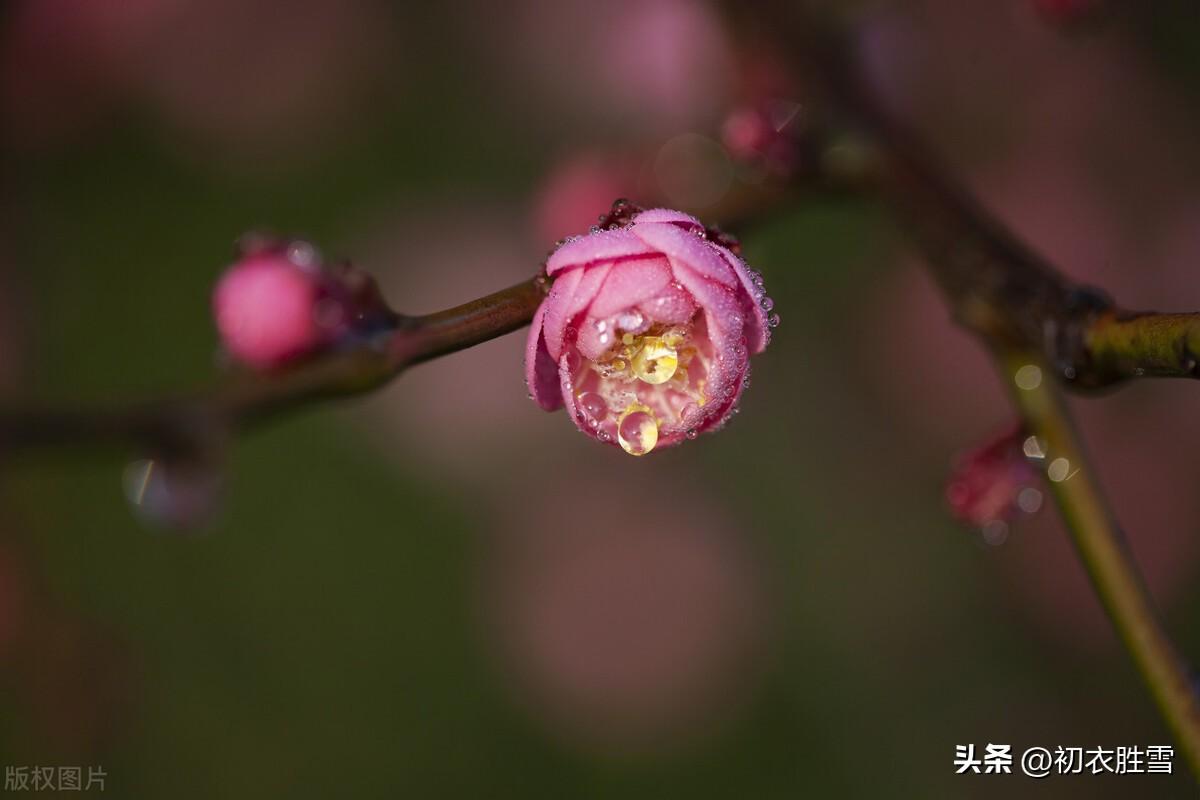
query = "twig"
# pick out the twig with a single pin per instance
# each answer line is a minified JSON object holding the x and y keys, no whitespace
{"x":1028,"y":314}
{"x":1103,"y":549}
{"x":183,"y":423}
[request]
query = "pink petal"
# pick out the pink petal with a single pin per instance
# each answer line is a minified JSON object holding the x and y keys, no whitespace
{"x":756,"y":316}
{"x":589,"y":286}
{"x":670,"y":216}
{"x":599,"y":246}
{"x":672,"y":306}
{"x":686,"y":249}
{"x":558,"y":307}
{"x":725,"y":312}
{"x":541,"y":374}
{"x":628,"y":284}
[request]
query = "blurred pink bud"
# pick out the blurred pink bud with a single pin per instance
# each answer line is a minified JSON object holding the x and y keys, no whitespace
{"x":577,"y":189}
{"x":265,"y":310}
{"x":763,"y":135}
{"x":647,"y":332}
{"x":280,"y":302}
{"x":996,"y":480}
{"x":1066,"y":12}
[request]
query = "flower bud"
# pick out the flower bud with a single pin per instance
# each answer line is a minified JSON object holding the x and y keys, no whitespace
{"x":995,"y":481}
{"x":646,"y":334}
{"x":279,"y":303}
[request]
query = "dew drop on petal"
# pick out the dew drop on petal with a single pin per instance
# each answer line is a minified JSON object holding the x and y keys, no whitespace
{"x":593,"y":404}
{"x":773,"y":321}
{"x":630,"y":321}
{"x":637,"y":430}
{"x":656,"y":361}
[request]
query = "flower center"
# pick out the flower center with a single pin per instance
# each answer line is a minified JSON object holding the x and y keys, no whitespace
{"x":646,"y":381}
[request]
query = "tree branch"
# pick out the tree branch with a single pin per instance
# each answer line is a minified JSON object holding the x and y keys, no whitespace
{"x":183,"y":424}
{"x":1122,"y":346}
{"x":1104,"y":552}
{"x":1028,"y":314}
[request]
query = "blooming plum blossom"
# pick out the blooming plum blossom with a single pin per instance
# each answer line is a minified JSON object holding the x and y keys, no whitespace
{"x":647,"y":332}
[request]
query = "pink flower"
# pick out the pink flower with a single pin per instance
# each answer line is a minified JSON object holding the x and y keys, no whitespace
{"x":996,"y":480}
{"x":647,"y":333}
{"x":280,"y":303}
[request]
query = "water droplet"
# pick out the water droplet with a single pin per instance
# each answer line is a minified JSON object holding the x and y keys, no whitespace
{"x":656,"y":361}
{"x":773,"y":321}
{"x":637,"y":430}
{"x":630,"y":321}
{"x":1028,"y":377}
{"x":180,"y":494}
{"x":995,"y":533}
{"x":691,"y":433}
{"x":1029,"y":500}
{"x":766,"y":303}
{"x":595,"y":407}
{"x":1033,"y":447}
{"x":1059,"y":470}
{"x":304,"y":254}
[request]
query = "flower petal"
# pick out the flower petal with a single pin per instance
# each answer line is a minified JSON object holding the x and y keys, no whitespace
{"x":541,"y":373}
{"x":756,"y":315}
{"x":628,"y":284}
{"x":686,"y":249}
{"x":724,"y":310}
{"x":600,"y":246}
{"x":671,"y":216}
{"x":672,"y":306}
{"x":558,"y":310}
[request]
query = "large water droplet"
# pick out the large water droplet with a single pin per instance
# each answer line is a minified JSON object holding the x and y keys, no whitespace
{"x":656,"y":362}
{"x":181,"y":495}
{"x":637,"y":430}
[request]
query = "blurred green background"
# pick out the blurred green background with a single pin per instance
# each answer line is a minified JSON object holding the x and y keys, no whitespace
{"x":442,"y":591}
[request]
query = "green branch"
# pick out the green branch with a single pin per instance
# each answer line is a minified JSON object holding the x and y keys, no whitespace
{"x":1103,"y":550}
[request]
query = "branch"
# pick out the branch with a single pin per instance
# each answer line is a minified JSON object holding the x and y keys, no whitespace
{"x":185,"y":424}
{"x":1105,"y":554}
{"x":1122,"y":346}
{"x":1028,"y":314}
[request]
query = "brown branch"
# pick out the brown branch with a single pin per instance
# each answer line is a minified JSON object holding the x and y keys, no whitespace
{"x":184,"y":424}
{"x":1030,"y":316}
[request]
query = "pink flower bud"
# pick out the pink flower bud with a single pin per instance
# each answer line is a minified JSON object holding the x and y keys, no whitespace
{"x":996,"y":480}
{"x":647,"y":332}
{"x":280,"y":303}
{"x":264,"y":307}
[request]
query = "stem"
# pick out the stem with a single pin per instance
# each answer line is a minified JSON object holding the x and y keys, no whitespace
{"x":1028,"y":313}
{"x":1133,"y":345}
{"x":185,"y":423}
{"x":1105,"y":553}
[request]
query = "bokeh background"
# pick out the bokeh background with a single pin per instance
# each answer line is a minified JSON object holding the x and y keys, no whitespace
{"x":440,"y":590}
